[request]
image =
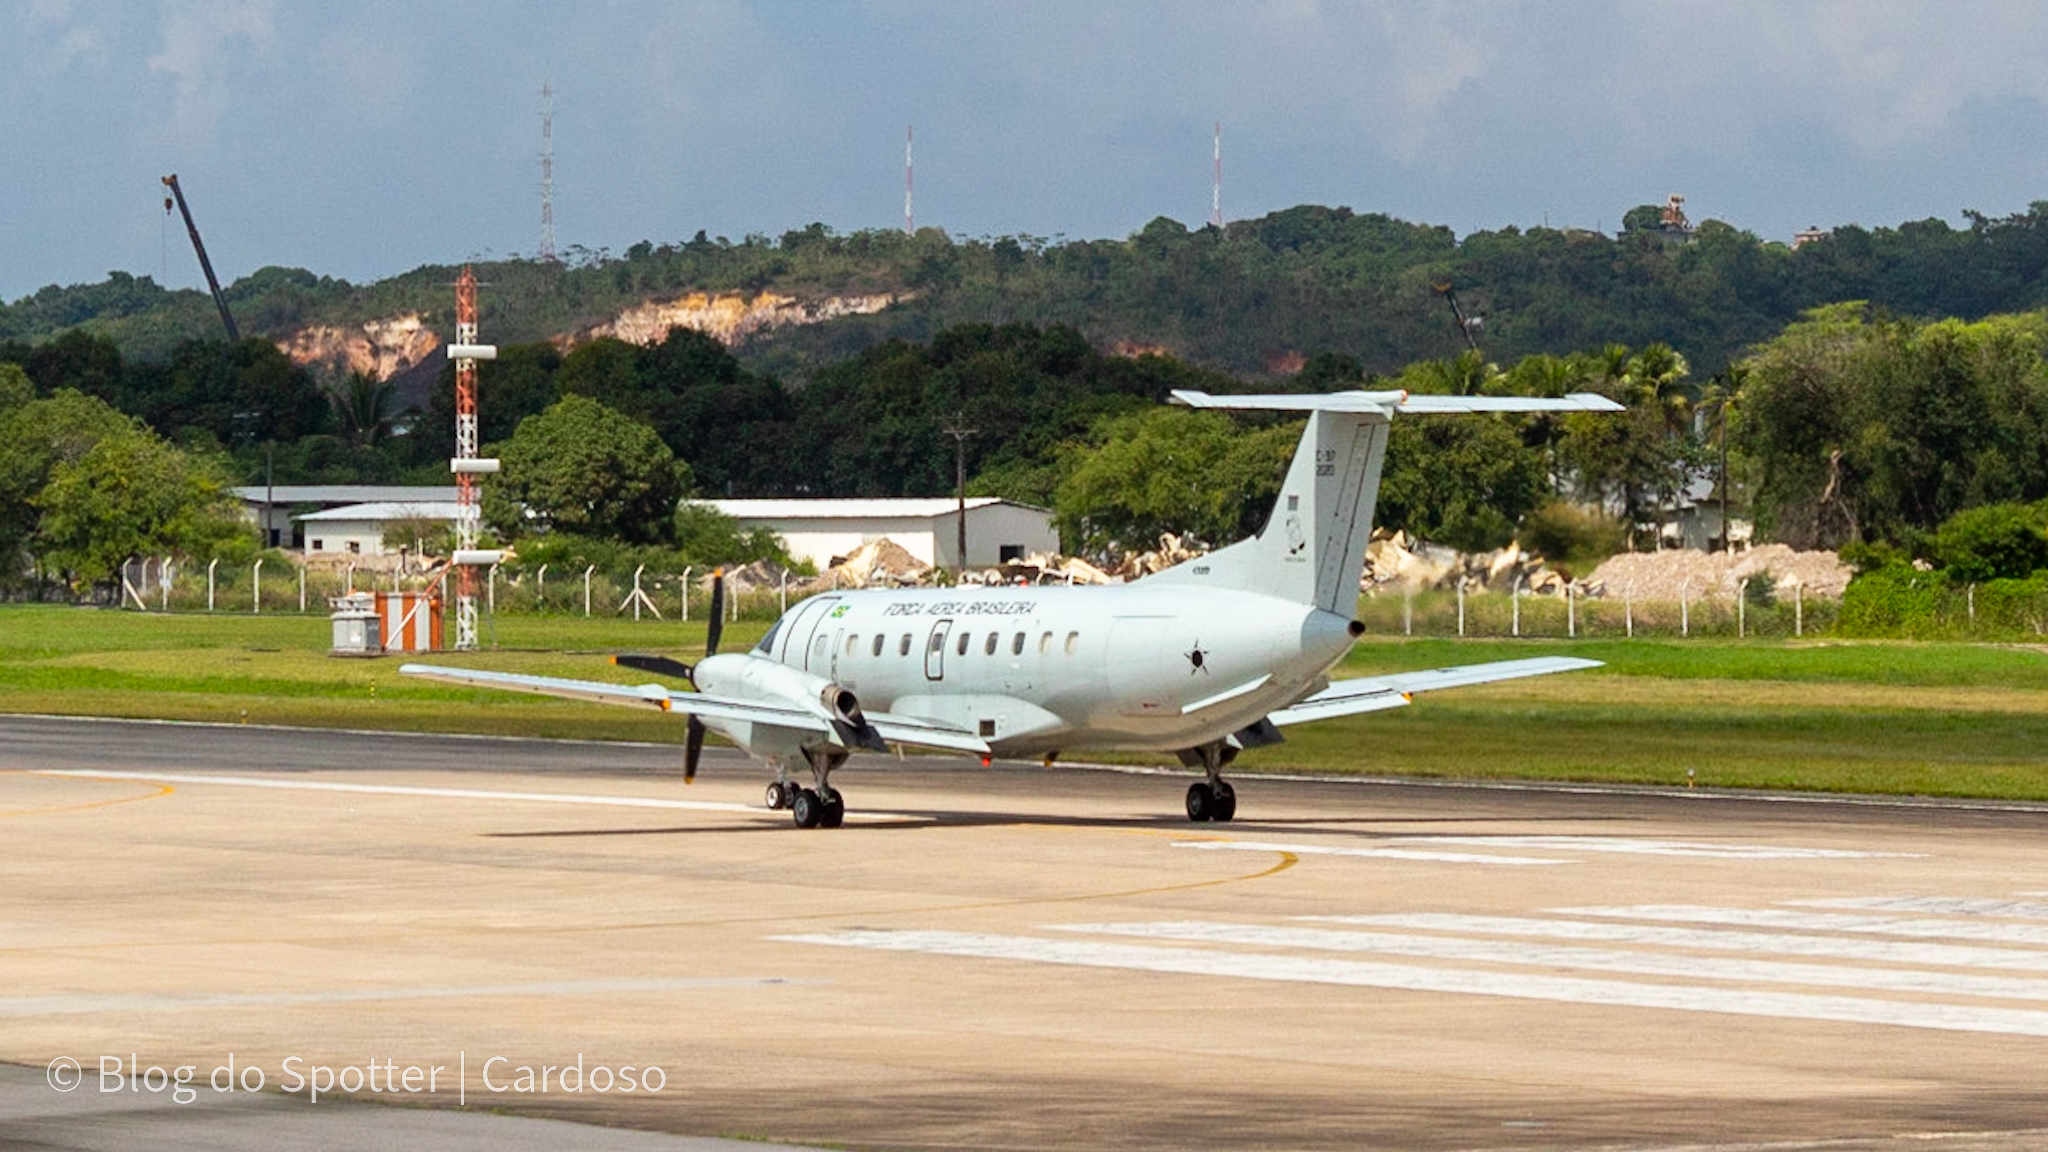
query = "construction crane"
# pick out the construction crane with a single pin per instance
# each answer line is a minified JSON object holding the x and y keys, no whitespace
{"x":1465,"y":324}
{"x":226,"y":318}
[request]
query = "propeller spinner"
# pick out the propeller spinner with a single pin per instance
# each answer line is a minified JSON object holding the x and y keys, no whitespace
{"x":693,"y":740}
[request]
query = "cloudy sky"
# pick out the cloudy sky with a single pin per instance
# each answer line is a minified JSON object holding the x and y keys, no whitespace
{"x":360,"y":139}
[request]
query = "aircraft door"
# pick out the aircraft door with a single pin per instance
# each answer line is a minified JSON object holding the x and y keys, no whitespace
{"x":935,"y":650}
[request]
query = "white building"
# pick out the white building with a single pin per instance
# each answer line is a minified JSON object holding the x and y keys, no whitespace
{"x":926,"y":527}
{"x":359,"y":529}
{"x":279,"y":508}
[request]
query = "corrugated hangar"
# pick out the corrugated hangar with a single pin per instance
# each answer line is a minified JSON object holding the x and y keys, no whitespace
{"x":926,"y":527}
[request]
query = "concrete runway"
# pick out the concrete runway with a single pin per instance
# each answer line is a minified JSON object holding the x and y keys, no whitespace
{"x":1013,"y":958}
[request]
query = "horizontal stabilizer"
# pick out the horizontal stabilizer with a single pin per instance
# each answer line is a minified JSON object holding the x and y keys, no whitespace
{"x":1374,"y":693}
{"x":1388,"y":403}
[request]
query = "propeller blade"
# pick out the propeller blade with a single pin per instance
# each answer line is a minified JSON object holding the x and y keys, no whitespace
{"x":692,"y":749}
{"x":659,"y":665}
{"x":717,"y":626}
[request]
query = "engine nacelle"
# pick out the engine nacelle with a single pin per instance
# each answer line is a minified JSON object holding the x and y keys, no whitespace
{"x":751,"y":677}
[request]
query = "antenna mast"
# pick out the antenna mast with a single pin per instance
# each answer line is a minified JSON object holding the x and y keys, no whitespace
{"x":466,"y":465}
{"x":909,"y":227}
{"x":547,"y":171}
{"x":1216,"y":188}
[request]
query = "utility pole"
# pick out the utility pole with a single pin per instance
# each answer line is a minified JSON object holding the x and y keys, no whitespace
{"x":956,"y":427}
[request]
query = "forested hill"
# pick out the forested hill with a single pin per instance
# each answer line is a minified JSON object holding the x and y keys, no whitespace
{"x":1252,"y":299}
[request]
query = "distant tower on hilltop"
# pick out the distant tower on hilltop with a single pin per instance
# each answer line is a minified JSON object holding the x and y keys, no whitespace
{"x":547,"y":171}
{"x":1216,"y":187}
{"x":909,"y":221}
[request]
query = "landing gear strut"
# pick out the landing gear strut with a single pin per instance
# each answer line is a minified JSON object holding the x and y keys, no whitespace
{"x":1213,"y":798}
{"x":820,"y":807}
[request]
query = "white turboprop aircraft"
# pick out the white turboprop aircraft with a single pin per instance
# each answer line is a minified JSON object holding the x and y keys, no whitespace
{"x":1205,"y":659}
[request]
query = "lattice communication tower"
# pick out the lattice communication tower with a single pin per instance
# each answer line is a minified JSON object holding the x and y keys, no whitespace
{"x":467,"y":465}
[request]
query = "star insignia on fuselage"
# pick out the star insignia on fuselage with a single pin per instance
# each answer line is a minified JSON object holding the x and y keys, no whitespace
{"x":1198,"y":659}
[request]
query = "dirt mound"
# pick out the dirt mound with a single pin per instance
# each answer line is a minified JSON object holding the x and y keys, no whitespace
{"x":1683,"y":573}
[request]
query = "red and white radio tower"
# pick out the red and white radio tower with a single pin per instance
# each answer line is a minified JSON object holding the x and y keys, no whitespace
{"x":547,"y":171}
{"x":1216,"y":189}
{"x":909,"y":227}
{"x":467,"y":465}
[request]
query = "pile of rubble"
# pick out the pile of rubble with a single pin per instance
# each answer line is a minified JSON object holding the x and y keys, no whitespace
{"x":1394,"y":562}
{"x":1684,"y":574}
{"x":878,"y":564}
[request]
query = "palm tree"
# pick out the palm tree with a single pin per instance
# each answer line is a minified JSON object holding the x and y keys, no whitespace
{"x":362,"y":405}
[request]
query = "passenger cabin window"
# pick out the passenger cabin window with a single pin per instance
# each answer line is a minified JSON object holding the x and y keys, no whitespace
{"x":1073,"y":642}
{"x":903,"y":648}
{"x":960,"y":649}
{"x":1045,"y":644}
{"x":820,"y":647}
{"x":989,"y":649}
{"x":1017,"y":644}
{"x":878,"y":643}
{"x":852,"y":643}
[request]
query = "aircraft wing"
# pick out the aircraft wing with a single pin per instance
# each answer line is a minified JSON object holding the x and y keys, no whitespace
{"x":899,"y":729}
{"x":1396,"y":402}
{"x":1374,"y":693}
{"x":631,"y":695}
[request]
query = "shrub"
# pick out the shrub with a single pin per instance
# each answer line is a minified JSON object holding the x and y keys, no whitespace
{"x":1572,"y":537}
{"x":1992,"y":542}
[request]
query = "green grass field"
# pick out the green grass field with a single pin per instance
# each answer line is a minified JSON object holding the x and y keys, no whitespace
{"x":1935,"y":719}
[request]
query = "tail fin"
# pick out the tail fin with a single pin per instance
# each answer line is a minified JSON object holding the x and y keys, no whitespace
{"x":1313,"y":545}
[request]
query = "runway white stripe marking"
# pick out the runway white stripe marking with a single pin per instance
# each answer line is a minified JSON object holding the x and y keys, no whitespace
{"x":1460,"y":981}
{"x":1936,"y":906}
{"x":441,"y":793}
{"x":1637,"y":847}
{"x":1566,"y":956}
{"x":1374,"y":853}
{"x":17,"y":1006}
{"x":1824,"y":922}
{"x":1827,"y":947}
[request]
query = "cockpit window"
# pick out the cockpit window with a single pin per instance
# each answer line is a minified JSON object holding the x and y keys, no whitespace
{"x":767,"y":645}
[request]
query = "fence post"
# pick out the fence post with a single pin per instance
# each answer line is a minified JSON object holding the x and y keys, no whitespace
{"x":1798,"y":608}
{"x":302,"y":588}
{"x":163,"y":579}
{"x":1515,"y":599}
{"x":1970,"y":604}
{"x":540,"y":592}
{"x":348,"y":587}
{"x":1571,"y":612}
{"x":586,"y":590}
{"x":687,"y":569}
{"x":1461,"y":606}
{"x":1628,"y":609}
{"x":785,"y":591}
{"x":491,"y":591}
{"x":1408,"y":610}
{"x":1741,"y":605}
{"x":638,"y":595}
{"x":1685,"y":607}
{"x":209,"y":583}
{"x":256,"y":588}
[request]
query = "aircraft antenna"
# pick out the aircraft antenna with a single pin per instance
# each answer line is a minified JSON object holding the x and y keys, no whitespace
{"x":1216,"y":187}
{"x":466,"y":465}
{"x":547,"y":171}
{"x":909,"y":224}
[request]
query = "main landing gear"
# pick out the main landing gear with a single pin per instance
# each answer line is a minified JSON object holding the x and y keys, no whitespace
{"x":820,"y":807}
{"x":1214,"y":798}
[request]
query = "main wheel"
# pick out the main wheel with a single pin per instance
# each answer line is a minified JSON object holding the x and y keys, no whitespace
{"x":1201,"y":802}
{"x":779,"y":795}
{"x":834,"y":814}
{"x":807,"y":808}
{"x":1226,"y":802}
